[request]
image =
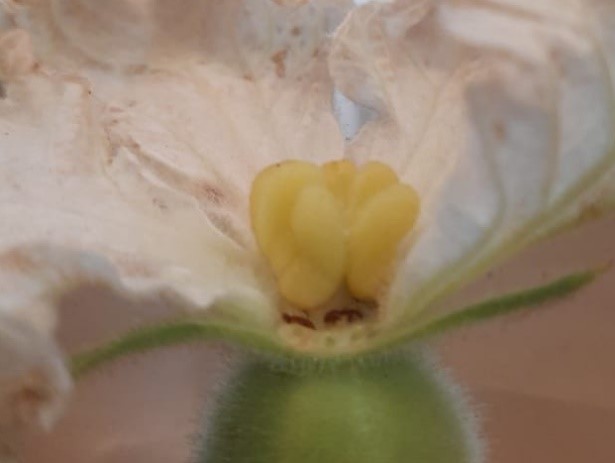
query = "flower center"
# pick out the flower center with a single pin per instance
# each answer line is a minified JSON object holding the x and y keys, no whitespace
{"x":331,"y":228}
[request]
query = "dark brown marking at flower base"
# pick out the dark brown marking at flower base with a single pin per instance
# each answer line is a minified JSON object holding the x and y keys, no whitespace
{"x":298,"y":320}
{"x":349,"y":315}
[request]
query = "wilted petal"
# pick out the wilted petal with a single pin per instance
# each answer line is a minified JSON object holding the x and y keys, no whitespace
{"x":417,"y":79}
{"x":118,"y":33}
{"x":146,"y":146}
{"x":225,"y":89}
{"x":547,"y":122}
{"x":500,"y":116}
{"x":34,"y":378}
{"x":15,"y":53}
{"x":134,"y":135}
{"x":251,"y":36}
{"x":207,"y":133}
{"x":33,"y":382}
{"x":150,"y":166}
{"x":63,"y":183}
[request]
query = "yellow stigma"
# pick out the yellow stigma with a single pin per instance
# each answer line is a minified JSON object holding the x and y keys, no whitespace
{"x":323,"y":227}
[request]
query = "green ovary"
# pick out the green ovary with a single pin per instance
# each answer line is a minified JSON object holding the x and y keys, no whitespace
{"x":392,"y":411}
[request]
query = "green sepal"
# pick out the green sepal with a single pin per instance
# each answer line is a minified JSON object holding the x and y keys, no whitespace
{"x":205,"y":329}
{"x":172,"y":333}
{"x":504,"y":305}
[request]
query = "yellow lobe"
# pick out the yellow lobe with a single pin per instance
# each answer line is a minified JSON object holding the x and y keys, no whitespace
{"x":298,"y":226}
{"x":318,"y":268}
{"x":322,"y":227}
{"x":374,"y":237}
{"x":274,"y":193}
{"x":370,"y":179}
{"x":340,"y":176}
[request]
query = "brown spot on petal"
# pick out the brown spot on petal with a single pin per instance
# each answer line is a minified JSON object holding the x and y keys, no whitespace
{"x":290,"y":2}
{"x":15,"y":259}
{"x":160,"y":204}
{"x":499,"y":130}
{"x":212,"y":194}
{"x":278,"y":60}
{"x":134,"y":267}
{"x":137,"y":69}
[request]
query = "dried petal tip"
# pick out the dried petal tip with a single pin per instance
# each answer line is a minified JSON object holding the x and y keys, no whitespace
{"x":33,"y":383}
{"x":16,"y":57}
{"x":291,"y":2}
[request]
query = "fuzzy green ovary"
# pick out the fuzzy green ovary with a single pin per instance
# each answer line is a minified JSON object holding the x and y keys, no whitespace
{"x":393,"y":412}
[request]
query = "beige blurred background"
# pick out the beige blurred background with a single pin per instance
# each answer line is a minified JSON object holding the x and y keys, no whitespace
{"x":543,"y":382}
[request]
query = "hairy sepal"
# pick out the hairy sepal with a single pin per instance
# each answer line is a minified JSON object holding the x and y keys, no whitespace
{"x":267,"y":344}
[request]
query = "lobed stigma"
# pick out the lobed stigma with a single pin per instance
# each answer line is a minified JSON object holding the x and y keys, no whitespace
{"x":331,"y":235}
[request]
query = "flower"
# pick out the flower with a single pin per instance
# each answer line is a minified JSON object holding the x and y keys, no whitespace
{"x":131,"y":134}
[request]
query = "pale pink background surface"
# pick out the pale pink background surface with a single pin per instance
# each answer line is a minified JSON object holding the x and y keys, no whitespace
{"x":544,"y":383}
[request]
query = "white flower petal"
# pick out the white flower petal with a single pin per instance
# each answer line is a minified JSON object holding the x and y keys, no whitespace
{"x":116,"y":33}
{"x":226,"y":89}
{"x":57,"y":189}
{"x":414,"y":79}
{"x":499,"y":136}
{"x":573,"y":54}
{"x":34,"y":280}
{"x":150,"y":167}
{"x":15,"y":54}
{"x":207,"y":133}
{"x":120,"y":164}
{"x":255,"y":36}
{"x":62,"y":183}
{"x":417,"y":80}
{"x":548,"y":128}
